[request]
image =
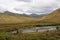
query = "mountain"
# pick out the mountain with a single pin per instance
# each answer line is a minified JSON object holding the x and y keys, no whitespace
{"x":53,"y":17}
{"x":36,"y":15}
{"x":25,"y":15}
{"x":8,"y":17}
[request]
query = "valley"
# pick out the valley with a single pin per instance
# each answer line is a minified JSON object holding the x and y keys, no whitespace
{"x":21,"y":27}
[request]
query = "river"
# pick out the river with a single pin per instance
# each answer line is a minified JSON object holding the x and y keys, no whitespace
{"x":37,"y":29}
{"x":40,"y":29}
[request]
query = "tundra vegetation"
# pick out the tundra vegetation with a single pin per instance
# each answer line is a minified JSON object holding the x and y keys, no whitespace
{"x":48,"y":35}
{"x":18,"y":23}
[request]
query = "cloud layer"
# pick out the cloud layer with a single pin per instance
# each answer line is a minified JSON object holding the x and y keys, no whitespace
{"x":29,"y":6}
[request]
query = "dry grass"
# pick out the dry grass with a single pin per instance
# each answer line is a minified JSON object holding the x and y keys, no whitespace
{"x":53,"y":17}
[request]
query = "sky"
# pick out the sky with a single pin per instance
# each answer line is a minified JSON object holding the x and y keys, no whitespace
{"x":29,"y":6}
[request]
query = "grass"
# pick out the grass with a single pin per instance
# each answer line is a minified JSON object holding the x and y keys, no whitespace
{"x":53,"y":35}
{"x":53,"y":17}
{"x":50,"y":35}
{"x":6,"y":18}
{"x":6,"y":36}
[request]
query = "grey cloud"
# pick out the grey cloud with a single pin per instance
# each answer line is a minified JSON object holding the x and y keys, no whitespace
{"x":45,"y":9}
{"x":2,"y":10}
{"x":41,"y":11}
{"x":25,"y":0}
{"x":33,"y":6}
{"x":17,"y":9}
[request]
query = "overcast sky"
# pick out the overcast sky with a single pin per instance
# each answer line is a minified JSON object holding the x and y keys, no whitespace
{"x":29,"y":6}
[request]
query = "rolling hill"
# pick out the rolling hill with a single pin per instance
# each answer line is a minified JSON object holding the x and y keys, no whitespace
{"x":11,"y":21}
{"x":53,"y":17}
{"x":14,"y":18}
{"x":8,"y":17}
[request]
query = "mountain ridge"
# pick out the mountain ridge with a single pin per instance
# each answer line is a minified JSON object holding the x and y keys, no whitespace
{"x":14,"y":18}
{"x":25,"y":15}
{"x":52,"y":17}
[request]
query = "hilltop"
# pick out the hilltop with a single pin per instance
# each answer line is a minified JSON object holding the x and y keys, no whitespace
{"x":25,"y":15}
{"x":8,"y":17}
{"x":53,"y":17}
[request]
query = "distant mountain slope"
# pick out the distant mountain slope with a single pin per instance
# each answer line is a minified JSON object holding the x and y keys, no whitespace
{"x":14,"y":18}
{"x":36,"y":15}
{"x":52,"y":17}
{"x":25,"y":15}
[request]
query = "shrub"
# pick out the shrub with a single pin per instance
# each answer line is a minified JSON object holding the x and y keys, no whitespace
{"x":5,"y":36}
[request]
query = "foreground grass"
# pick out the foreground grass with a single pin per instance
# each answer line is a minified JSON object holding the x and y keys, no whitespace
{"x":53,"y":35}
{"x":48,"y":35}
{"x":6,"y":36}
